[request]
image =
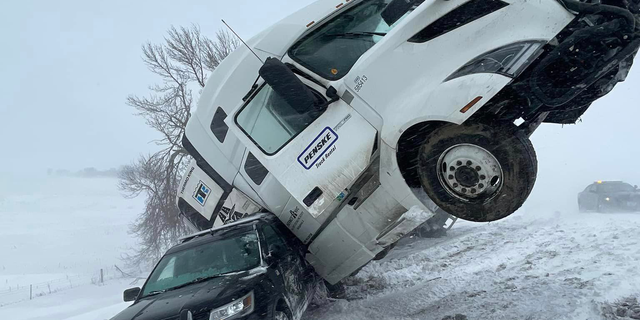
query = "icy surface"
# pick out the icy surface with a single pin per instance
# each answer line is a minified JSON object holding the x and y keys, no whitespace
{"x":554,"y":266}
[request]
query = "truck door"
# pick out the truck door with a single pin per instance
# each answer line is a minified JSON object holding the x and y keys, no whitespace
{"x":315,"y":154}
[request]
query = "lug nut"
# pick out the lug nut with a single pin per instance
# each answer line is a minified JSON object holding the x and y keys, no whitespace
{"x":450,"y":177}
{"x":481,"y":186}
{"x":459,"y":163}
{"x":452,"y":168}
{"x":482,"y":177}
{"x":469,"y":162}
{"x":473,"y":190}
{"x":478,"y":168}
{"x":455,"y":185}
{"x":463,"y":190}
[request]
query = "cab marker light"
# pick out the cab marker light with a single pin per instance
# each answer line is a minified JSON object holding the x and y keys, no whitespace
{"x":340,"y":5}
{"x":471,"y":104}
{"x":310,"y":24}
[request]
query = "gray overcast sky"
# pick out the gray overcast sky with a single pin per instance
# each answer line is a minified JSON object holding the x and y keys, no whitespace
{"x":67,"y":67}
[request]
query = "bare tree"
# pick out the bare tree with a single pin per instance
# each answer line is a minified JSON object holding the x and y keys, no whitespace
{"x":182,"y":62}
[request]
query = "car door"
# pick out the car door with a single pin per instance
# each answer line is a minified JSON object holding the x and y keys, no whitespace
{"x":316,"y":156}
{"x":590,"y":197}
{"x":288,"y":266}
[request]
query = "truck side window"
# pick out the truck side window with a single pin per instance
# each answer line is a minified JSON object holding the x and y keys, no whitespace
{"x":256,"y":171}
{"x":271,"y":122}
{"x":218,"y":127}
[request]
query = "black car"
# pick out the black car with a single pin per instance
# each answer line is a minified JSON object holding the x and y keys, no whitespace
{"x":253,"y":268}
{"x":609,"y":196}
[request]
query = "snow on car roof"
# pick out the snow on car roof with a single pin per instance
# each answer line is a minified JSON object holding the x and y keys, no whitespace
{"x":253,"y":217}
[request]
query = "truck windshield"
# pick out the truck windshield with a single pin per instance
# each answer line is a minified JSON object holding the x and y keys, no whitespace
{"x":208,"y":260}
{"x":331,"y":50}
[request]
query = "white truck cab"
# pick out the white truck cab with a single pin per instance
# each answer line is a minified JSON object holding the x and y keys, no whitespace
{"x":356,"y":121}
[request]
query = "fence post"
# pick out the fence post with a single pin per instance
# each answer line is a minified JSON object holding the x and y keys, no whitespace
{"x":30,"y":291}
{"x":101,"y":276}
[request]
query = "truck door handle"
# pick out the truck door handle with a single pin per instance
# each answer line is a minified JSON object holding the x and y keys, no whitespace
{"x":312,"y":196}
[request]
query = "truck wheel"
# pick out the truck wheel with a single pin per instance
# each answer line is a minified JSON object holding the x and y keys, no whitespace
{"x":476,"y":172}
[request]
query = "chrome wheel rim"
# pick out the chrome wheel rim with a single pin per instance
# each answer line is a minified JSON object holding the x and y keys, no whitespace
{"x":470,"y":173}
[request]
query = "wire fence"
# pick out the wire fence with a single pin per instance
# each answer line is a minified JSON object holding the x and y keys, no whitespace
{"x":34,"y":290}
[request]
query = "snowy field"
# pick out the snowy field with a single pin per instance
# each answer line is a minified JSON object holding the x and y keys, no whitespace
{"x":56,"y":234}
{"x":533,"y":266}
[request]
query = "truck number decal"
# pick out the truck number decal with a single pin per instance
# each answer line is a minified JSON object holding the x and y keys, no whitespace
{"x":360,"y":81}
{"x":317,"y":148}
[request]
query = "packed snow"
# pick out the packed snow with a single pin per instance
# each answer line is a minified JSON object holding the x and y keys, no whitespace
{"x":535,"y":264}
{"x":528,"y":266}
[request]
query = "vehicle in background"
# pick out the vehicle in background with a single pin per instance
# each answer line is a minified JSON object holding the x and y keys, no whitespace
{"x":609,"y":196}
{"x":355,"y":121}
{"x":253,"y":268}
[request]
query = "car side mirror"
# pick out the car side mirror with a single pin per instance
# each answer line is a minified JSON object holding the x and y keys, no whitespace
{"x":287,"y":85}
{"x":131,"y":294}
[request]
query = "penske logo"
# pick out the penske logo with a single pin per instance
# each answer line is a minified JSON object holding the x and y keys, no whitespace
{"x":317,"y":148}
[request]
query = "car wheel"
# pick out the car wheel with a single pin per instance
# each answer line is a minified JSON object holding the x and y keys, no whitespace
{"x":477,"y":172}
{"x":581,"y":207}
{"x":279,"y":315}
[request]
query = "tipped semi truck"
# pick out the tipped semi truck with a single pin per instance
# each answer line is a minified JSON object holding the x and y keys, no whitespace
{"x":355,"y":122}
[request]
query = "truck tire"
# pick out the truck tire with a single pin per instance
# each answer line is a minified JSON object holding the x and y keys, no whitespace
{"x":476,"y":172}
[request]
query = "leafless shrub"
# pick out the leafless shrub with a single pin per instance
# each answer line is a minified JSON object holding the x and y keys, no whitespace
{"x":182,"y":62}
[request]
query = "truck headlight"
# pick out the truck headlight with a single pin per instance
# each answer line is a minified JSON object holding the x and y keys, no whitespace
{"x":509,"y":60}
{"x":240,"y":307}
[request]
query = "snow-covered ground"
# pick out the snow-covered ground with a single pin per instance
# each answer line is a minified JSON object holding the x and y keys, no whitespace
{"x":56,"y":234}
{"x":527,"y":266}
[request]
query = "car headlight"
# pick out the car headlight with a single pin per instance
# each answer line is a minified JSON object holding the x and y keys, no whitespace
{"x":607,"y":198}
{"x":509,"y":60}
{"x":240,"y":307}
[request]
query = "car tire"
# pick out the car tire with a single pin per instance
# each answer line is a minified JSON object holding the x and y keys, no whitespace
{"x":477,"y":172}
{"x":280,"y":315}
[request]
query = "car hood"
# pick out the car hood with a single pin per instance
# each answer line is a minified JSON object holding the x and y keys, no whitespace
{"x":210,"y":294}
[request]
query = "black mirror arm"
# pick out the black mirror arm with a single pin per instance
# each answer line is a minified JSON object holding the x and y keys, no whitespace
{"x":332,"y":93}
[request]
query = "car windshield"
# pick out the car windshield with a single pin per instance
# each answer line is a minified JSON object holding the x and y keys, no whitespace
{"x":616,"y":187}
{"x":211,"y":259}
{"x":331,"y":50}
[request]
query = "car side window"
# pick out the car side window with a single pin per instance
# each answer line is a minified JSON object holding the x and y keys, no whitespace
{"x":272,"y":237}
{"x":167,"y":272}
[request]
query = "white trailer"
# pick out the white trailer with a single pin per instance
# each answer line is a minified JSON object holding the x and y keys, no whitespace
{"x":360,"y":119}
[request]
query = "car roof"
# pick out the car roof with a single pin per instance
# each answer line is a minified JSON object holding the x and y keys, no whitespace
{"x":250,"y":220}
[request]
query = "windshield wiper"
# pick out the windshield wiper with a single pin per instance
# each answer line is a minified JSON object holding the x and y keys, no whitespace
{"x":356,"y":34}
{"x":153,"y":293}
{"x":194,"y":281}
